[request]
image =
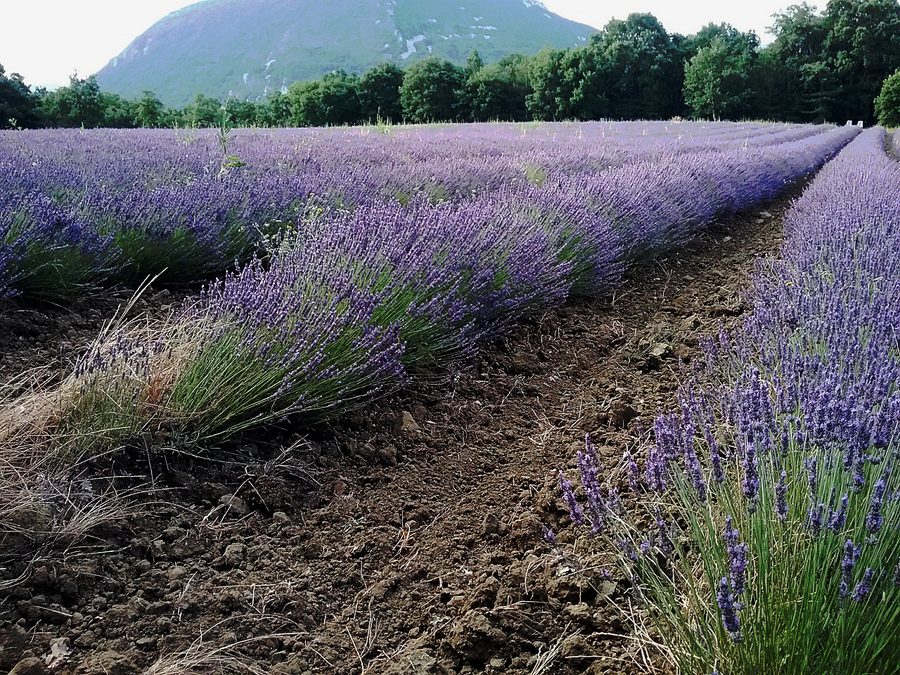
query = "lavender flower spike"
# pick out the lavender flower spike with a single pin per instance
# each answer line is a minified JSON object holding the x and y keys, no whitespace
{"x":576,"y":513}
{"x":839,"y":517}
{"x":812,"y":471}
{"x":737,"y":558}
{"x":694,"y":470}
{"x":814,"y":517}
{"x":590,"y":469}
{"x":634,"y":473}
{"x":781,"y":508}
{"x":750,"y":484}
{"x":863,"y":586}
{"x":874,"y":518}
{"x":728,"y":609}
{"x":550,"y":537}
{"x":851,"y":554}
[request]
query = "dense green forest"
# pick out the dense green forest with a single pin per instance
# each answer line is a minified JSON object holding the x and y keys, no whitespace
{"x":837,"y":65}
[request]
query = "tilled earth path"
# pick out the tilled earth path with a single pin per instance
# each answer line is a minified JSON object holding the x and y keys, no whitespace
{"x":408,"y":538}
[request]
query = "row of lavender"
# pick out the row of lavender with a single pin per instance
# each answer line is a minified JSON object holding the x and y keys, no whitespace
{"x":784,"y":469}
{"x":85,"y":208}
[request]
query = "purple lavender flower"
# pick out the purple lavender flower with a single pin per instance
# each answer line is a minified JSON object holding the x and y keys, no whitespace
{"x":859,"y":478}
{"x":626,"y":546}
{"x":839,"y":517}
{"x":874,"y":518}
{"x":851,"y":555}
{"x":550,"y":537}
{"x":863,"y":586}
{"x":715,"y":457}
{"x":694,"y":470}
{"x":663,"y":534}
{"x":576,"y":513}
{"x":750,"y":483}
{"x":590,"y":469}
{"x":656,"y":469}
{"x":737,"y":558}
{"x":812,"y":472}
{"x":728,"y":610}
{"x":814,"y":515}
{"x":634,"y":473}
{"x":785,"y":440}
{"x":613,"y":501}
{"x":781,"y":507}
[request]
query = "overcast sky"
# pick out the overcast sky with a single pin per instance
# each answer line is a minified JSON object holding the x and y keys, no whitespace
{"x":48,"y":40}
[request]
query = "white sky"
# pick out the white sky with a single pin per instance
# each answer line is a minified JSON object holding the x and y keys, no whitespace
{"x":47,"y":40}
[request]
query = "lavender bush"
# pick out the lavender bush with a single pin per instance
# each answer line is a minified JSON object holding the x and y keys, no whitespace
{"x":782,"y":552}
{"x":45,"y":252}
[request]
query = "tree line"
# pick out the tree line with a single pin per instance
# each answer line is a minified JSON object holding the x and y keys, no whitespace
{"x":841,"y":64}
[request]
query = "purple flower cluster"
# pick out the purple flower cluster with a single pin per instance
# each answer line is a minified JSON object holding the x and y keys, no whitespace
{"x":45,"y":251}
{"x":874,"y":517}
{"x":781,"y":506}
{"x":737,"y":558}
{"x":728,"y":609}
{"x":851,"y":555}
{"x":602,"y":502}
{"x":576,"y":512}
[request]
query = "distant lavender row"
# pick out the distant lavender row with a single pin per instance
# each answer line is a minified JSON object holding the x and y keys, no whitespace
{"x":78,"y":208}
{"x":784,"y":466}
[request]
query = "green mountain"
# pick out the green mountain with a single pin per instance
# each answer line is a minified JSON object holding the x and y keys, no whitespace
{"x":249,"y":48}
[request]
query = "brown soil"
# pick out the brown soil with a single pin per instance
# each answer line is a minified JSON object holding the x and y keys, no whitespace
{"x":408,"y":538}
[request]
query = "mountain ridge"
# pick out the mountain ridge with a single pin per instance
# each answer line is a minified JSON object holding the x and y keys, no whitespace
{"x":250,"y":48}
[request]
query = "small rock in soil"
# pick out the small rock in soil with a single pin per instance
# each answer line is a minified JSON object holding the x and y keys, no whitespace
{"x":30,"y":665}
{"x":406,"y":422}
{"x":108,"y":663}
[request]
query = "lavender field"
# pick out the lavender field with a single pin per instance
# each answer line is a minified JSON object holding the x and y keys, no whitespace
{"x":329,"y":268}
{"x":85,"y":208}
{"x":349,"y":258}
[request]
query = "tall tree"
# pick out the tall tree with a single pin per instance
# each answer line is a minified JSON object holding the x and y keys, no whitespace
{"x":549,"y":97}
{"x":148,"y":110}
{"x":203,"y":111}
{"x":18,"y":105}
{"x":568,"y":84}
{"x":431,"y":91}
{"x":474,"y":63}
{"x":789,"y":86}
{"x":333,"y":100}
{"x":887,"y":105}
{"x":718,"y":79}
{"x":240,"y":113}
{"x":379,"y":93}
{"x":80,"y":104}
{"x":643,"y":68}
{"x":118,"y":112}
{"x":861,"y":48}
{"x":275,"y":111}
